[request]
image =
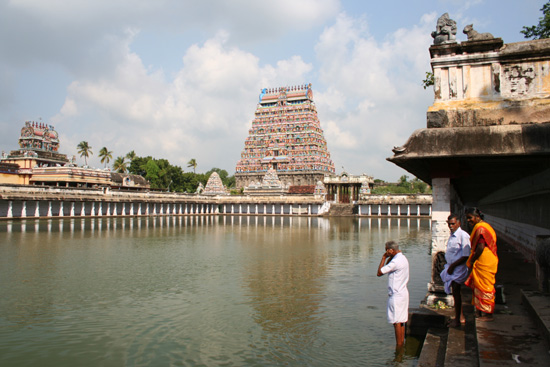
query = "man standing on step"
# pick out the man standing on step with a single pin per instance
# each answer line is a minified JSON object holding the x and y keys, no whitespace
{"x":397,"y":268}
{"x":455,"y":272}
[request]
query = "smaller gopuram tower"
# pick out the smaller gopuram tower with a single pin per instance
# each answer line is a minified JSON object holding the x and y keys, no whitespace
{"x":286,"y":136}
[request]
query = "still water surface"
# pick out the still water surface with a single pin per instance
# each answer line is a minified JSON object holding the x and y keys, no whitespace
{"x":202,"y":291}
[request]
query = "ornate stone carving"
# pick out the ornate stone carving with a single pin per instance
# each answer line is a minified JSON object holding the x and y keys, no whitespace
{"x":474,"y":35}
{"x":445,"y":31}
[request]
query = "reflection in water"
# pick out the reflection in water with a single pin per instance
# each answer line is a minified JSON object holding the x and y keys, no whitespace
{"x":202,"y":290}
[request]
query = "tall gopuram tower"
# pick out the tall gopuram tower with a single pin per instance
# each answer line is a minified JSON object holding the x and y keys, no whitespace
{"x":286,"y":135}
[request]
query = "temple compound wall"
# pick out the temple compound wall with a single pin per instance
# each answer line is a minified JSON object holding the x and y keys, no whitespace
{"x":27,"y":201}
{"x":487,"y":140}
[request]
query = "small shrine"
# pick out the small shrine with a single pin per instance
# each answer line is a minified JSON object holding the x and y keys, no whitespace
{"x":285,"y":136}
{"x":320,"y":190}
{"x":215,"y":186}
{"x":347,"y":188}
{"x":270,"y":185}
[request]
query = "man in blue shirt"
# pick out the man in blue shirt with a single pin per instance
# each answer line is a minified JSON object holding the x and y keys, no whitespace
{"x":455,"y":272}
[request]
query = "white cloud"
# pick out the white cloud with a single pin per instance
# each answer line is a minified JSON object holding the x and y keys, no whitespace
{"x":204,"y":112}
{"x":374,"y":98}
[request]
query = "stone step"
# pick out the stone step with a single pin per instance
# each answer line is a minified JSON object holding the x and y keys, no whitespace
{"x":433,"y":348}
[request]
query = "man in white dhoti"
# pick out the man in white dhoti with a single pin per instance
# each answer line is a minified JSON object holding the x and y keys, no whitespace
{"x":455,"y":272}
{"x":397,"y":268}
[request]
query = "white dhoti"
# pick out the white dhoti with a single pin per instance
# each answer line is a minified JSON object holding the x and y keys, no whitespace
{"x":398,"y":308}
{"x":459,"y":275}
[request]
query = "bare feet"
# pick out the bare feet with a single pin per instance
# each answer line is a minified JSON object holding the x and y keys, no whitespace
{"x":456,"y":323}
{"x":486,"y":318}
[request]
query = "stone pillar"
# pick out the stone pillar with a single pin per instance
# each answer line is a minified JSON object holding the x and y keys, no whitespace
{"x":441,"y":188}
{"x":23,"y":209}
{"x":379,"y":210}
{"x":360,"y":211}
{"x":61,"y":209}
{"x":100,"y":209}
{"x":37,"y":209}
{"x":49,"y":208}
{"x":132,"y":208}
{"x":108,"y":209}
{"x":139,"y":209}
{"x":93,"y":209}
{"x":265,"y":209}
{"x":398,"y":209}
{"x":418,"y":210}
{"x":408,"y":210}
{"x":283,"y":209}
{"x":10,"y":209}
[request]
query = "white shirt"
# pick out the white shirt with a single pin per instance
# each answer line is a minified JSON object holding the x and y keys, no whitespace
{"x":458,"y":246}
{"x":398,"y":275}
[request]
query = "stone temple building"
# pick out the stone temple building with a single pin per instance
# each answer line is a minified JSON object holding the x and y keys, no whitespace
{"x":286,"y":136}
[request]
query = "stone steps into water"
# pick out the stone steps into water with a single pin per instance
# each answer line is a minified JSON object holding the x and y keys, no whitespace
{"x":340,"y":210}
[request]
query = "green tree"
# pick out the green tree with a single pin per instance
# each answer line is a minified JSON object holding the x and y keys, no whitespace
{"x":192,"y":163}
{"x":542,"y":30}
{"x":120,"y":165}
{"x":106,"y":155}
{"x":131,"y":155}
{"x":403,"y":181}
{"x":84,"y":149}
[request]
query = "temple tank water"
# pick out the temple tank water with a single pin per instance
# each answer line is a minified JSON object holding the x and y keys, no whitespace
{"x":203,"y":291}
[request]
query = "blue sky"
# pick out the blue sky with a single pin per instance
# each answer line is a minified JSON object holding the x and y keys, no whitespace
{"x":180,"y":79}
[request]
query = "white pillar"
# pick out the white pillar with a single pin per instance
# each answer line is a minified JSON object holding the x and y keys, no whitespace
{"x":61,"y":208}
{"x":93,"y":209}
{"x":114,"y":209}
{"x":408,"y":210}
{"x":389,"y":209}
{"x":398,"y":209}
{"x":10,"y":209}
{"x":265,"y":209}
{"x":100,"y":209}
{"x":379,"y":210}
{"x":370,"y":210}
{"x":441,"y":192}
{"x":23,"y":209}
{"x":37,"y":209}
{"x":418,"y":210}
{"x":139,"y":209}
{"x":283,"y":209}
{"x":49,"y":209}
{"x":132,"y":208}
{"x":360,"y":211}
{"x":108,"y":209}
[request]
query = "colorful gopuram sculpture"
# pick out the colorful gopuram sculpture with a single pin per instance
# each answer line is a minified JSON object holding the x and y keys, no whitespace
{"x":214,"y":186}
{"x":286,"y":135}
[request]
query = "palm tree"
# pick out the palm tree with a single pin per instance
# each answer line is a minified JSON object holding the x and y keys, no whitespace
{"x":106,"y":155}
{"x":85,"y":150}
{"x":131,"y":155}
{"x":192,"y":163}
{"x":120,"y":165}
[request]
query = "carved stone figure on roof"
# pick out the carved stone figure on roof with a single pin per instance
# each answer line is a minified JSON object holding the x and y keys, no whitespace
{"x":474,"y":35}
{"x":445,"y":31}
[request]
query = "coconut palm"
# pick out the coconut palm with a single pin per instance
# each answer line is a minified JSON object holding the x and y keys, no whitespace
{"x":131,"y":155}
{"x":192,"y":163}
{"x":106,"y":155}
{"x":120,"y":165}
{"x":85,"y":150}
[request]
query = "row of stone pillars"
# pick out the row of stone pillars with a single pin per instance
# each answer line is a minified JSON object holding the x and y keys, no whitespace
{"x":109,"y":209}
{"x":370,"y":211}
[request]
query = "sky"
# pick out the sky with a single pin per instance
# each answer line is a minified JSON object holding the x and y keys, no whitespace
{"x":180,"y":79}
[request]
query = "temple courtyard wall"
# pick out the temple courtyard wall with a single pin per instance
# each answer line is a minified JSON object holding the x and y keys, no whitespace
{"x":18,"y":201}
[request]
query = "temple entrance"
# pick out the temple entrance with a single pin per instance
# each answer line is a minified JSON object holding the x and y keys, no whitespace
{"x":346,"y":189}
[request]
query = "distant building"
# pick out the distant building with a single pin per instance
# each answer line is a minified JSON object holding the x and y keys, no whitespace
{"x":286,"y":136}
{"x":37,"y":162}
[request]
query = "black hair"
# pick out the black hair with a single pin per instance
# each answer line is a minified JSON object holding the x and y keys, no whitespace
{"x":453,"y":216}
{"x":475,"y":212}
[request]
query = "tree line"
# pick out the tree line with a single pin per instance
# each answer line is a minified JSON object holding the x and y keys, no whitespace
{"x":159,"y":172}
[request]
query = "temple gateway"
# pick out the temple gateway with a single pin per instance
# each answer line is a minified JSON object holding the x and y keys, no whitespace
{"x":286,"y":136}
